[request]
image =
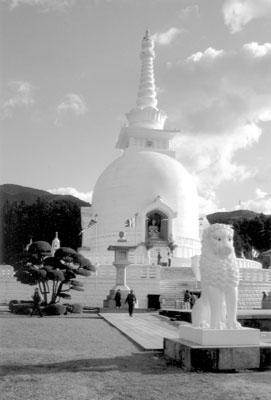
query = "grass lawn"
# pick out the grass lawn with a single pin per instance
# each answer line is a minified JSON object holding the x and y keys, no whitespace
{"x":84,"y":358}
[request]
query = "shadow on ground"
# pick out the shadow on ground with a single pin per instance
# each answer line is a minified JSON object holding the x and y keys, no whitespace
{"x":145,"y":363}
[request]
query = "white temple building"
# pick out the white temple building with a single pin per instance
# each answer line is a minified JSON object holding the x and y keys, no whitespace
{"x":146,"y":192}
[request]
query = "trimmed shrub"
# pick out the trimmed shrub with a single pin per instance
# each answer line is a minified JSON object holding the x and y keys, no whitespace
{"x":73,"y":308}
{"x":42,"y":273}
{"x":74,"y":282}
{"x":40,"y":248}
{"x":55,"y":309}
{"x":65,"y":296}
{"x":11,"y":303}
{"x":24,"y":309}
{"x":69,"y":308}
{"x":83,"y":272}
{"x":77,"y":308}
{"x":58,"y":274}
{"x":64,"y":252}
{"x":78,"y":288}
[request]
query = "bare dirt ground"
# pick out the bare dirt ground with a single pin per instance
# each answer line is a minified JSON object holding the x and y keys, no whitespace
{"x":84,"y":358}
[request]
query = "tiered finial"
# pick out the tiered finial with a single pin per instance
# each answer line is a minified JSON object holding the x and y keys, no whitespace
{"x":146,"y":93}
{"x":146,"y":114}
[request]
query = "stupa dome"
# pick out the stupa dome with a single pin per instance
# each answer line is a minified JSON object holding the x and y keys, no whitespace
{"x":135,"y":180}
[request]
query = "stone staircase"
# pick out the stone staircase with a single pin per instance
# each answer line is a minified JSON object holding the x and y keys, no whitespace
{"x":173,"y":283}
{"x":253,"y":282}
{"x":250,"y":294}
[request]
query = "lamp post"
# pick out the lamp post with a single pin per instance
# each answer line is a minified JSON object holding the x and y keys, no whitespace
{"x":121,"y":249}
{"x":121,"y":261}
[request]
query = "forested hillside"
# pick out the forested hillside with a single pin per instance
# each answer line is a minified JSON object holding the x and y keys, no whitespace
{"x":26,"y":215}
{"x":30,"y":213}
{"x":252,"y":231}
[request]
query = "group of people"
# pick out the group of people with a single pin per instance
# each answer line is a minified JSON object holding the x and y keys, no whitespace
{"x":169,"y":258}
{"x":189,"y":300}
{"x":130,"y":300}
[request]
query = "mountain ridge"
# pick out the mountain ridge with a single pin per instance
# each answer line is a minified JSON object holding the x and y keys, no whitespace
{"x":12,"y":193}
{"x":227,"y":216}
{"x":17,"y":193}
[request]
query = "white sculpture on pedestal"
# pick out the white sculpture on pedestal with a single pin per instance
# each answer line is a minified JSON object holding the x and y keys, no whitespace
{"x":217,"y":306}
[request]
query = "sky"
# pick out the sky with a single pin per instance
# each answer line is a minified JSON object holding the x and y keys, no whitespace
{"x":70,"y":72}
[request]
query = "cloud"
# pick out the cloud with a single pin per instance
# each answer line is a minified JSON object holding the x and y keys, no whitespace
{"x":238,"y":13}
{"x":260,"y":194}
{"x":221,"y":108}
{"x":212,"y":160}
{"x":72,"y":104}
{"x":188,"y":12}
{"x":208,"y":203}
{"x":262,"y":176}
{"x":260,"y":203}
{"x":20,"y":94}
{"x":166,"y":38}
{"x":257,"y":50}
{"x":265,"y":115}
{"x":208,"y":54}
{"x":45,"y":5}
{"x":73,"y":192}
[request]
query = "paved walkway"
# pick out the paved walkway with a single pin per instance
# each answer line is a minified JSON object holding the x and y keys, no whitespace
{"x":146,"y":329}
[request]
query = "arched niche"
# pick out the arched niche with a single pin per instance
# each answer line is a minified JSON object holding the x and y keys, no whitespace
{"x":156,"y":225}
{"x":165,"y":214}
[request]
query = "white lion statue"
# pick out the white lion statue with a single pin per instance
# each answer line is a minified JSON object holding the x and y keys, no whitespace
{"x":217,"y":306}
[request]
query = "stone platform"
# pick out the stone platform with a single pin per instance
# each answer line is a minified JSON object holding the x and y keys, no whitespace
{"x":223,"y":337}
{"x":194,"y":357}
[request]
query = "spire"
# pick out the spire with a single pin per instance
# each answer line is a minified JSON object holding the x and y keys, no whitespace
{"x":146,"y":96}
{"x":146,"y":114}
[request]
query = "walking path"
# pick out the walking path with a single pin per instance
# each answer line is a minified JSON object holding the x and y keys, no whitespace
{"x":148,"y":330}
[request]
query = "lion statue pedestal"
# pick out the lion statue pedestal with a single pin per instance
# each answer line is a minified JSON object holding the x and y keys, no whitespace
{"x":214,"y":315}
{"x":215,"y":341}
{"x":223,"y":337}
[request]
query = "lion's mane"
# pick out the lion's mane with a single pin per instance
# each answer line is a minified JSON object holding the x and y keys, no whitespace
{"x":214,"y":270}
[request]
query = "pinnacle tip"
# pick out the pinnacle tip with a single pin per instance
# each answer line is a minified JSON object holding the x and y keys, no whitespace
{"x":147,"y":34}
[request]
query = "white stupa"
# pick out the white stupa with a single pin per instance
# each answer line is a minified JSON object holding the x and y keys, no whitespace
{"x":145,"y":192}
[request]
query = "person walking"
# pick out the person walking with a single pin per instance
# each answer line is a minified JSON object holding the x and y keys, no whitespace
{"x":131,"y":300}
{"x":118,"y":299}
{"x":36,"y":303}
